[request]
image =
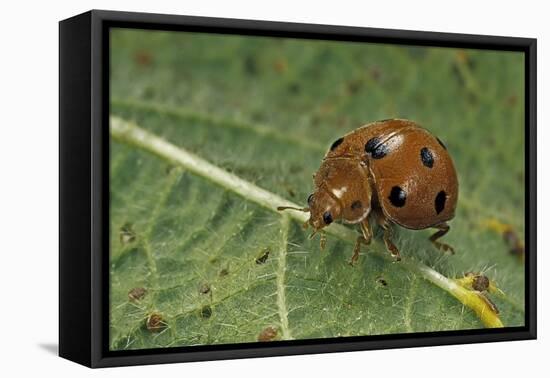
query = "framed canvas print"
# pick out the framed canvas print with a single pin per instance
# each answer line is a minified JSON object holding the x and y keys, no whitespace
{"x":233,"y":188}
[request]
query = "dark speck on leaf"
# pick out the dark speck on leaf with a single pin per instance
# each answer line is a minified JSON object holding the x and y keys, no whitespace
{"x":480,"y":283}
{"x":353,"y":86}
{"x":143,"y":58}
{"x":294,"y":88}
{"x":204,"y":288}
{"x":148,"y":92}
{"x":514,"y":242}
{"x":206,"y":312}
{"x":268,"y":334}
{"x":250,"y":66}
{"x":380,"y":280}
{"x":224,"y":272}
{"x":296,"y":168}
{"x":375,"y":73}
{"x":291,"y":192}
{"x":136,"y":294}
{"x":155,"y":323}
{"x":511,"y":100}
{"x":263,"y":256}
{"x":280,"y":66}
{"x":127,"y":234}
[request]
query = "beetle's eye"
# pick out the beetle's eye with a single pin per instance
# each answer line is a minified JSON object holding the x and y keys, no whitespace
{"x":327,"y":217}
{"x":310,"y":199}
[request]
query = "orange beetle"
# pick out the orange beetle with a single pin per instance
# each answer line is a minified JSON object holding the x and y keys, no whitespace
{"x":393,"y":171}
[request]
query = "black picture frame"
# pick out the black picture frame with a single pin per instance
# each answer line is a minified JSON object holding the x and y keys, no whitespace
{"x":84,"y":186}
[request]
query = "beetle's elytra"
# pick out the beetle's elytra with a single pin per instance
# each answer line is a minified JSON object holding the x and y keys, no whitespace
{"x":390,"y":171}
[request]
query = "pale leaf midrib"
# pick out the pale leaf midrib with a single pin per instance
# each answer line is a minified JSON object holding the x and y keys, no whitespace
{"x":281,"y":269}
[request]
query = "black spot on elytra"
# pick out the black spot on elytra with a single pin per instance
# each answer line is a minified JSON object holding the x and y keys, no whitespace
{"x":376,"y":149}
{"x":397,"y":197}
{"x":440,"y":201}
{"x":441,"y":143}
{"x":427,"y":157}
{"x":336,"y":143}
{"x":371,"y":144}
{"x":356,"y":205}
{"x":327,"y":217}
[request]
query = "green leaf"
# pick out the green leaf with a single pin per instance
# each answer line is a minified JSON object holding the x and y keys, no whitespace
{"x":216,"y":266}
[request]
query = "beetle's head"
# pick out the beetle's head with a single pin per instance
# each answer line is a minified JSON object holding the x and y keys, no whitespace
{"x":323,"y":208}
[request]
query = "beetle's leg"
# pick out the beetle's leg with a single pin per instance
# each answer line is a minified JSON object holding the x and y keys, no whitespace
{"x":323,"y":241}
{"x":443,"y":229}
{"x":365,"y":238}
{"x":386,"y":226}
{"x":356,"y":250}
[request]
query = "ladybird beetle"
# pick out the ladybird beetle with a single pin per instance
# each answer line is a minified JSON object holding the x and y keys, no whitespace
{"x":392,"y":171}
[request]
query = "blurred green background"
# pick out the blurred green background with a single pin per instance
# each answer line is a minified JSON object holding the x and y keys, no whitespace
{"x":266,"y":109}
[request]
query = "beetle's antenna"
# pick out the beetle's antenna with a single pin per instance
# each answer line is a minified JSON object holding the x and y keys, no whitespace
{"x":304,"y":209}
{"x":312,"y":234}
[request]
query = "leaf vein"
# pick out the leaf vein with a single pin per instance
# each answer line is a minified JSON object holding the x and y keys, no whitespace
{"x":281,"y":295}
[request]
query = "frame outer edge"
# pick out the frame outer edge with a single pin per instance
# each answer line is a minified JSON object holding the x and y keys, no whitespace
{"x":99,"y":170}
{"x":531,"y":109}
{"x":100,"y":19}
{"x":344,"y":32}
{"x":75,"y":336}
